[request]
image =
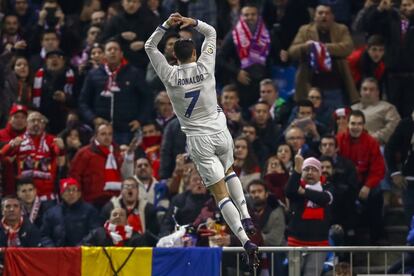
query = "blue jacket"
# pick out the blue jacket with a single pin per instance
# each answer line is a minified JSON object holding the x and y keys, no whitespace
{"x":65,"y":225}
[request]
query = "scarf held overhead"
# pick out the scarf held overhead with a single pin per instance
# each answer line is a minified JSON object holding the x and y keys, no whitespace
{"x":38,"y":81}
{"x":252,"y":49}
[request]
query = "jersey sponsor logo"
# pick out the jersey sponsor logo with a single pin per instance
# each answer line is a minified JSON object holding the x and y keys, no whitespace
{"x":191,"y":80}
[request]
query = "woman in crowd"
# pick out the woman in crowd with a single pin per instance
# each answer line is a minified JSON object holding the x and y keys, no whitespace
{"x":245,"y":162}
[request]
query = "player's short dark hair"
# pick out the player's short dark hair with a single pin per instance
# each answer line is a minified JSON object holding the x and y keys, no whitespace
{"x":183,"y":49}
{"x":375,"y":40}
{"x":305,"y":103}
{"x":357,"y":113}
{"x":256,"y":182}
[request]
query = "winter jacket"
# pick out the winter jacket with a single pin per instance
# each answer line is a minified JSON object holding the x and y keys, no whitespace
{"x":365,"y":153}
{"x":362,"y":66}
{"x":132,"y":102}
{"x":29,"y":235}
{"x":399,"y":151}
{"x":88,"y":167}
{"x":67,"y":225}
{"x":302,"y":229}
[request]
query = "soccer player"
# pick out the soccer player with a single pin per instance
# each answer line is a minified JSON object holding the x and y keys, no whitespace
{"x":191,"y":87}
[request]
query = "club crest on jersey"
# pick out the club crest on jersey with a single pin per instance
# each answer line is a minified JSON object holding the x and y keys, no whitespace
{"x":191,"y":80}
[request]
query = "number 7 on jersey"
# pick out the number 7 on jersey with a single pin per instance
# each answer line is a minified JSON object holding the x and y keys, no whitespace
{"x":194,"y":98}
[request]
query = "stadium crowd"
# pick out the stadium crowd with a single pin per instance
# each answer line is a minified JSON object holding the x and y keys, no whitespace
{"x":91,"y":151}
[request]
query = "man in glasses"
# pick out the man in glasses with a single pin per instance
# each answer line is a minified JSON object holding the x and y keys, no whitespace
{"x":191,"y":87}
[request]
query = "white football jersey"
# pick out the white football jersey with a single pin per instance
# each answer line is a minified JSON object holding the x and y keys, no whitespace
{"x":191,"y":87}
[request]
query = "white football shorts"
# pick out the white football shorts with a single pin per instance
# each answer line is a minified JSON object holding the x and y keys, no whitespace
{"x":212,"y":155}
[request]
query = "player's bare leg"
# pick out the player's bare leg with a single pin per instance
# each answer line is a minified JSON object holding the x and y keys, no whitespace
{"x":235,"y":190}
{"x":232,"y":217}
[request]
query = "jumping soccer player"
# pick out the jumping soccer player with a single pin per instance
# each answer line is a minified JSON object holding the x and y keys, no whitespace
{"x":191,"y":87}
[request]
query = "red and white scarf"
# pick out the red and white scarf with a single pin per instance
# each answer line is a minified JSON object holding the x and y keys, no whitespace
{"x":12,"y":233}
{"x":35,"y":210}
{"x":118,"y":233}
{"x":252,"y":49}
{"x":312,"y":210}
{"x":38,"y":80}
{"x":37,"y":160}
{"x":112,"y":175}
{"x":111,"y":86}
{"x":320,"y":59}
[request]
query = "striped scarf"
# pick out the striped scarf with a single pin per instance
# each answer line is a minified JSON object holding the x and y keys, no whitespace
{"x":252,"y":49}
{"x":111,"y":173}
{"x":13,"y":239}
{"x":38,"y":81}
{"x":320,"y":59}
{"x":118,"y":233}
{"x":111,"y":85}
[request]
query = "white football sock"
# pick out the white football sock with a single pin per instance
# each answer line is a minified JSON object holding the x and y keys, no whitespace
{"x":232,"y":217}
{"x":235,"y":189}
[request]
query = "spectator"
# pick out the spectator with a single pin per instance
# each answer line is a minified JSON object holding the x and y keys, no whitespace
{"x":266,"y":130}
{"x":399,"y":154}
{"x":11,"y":35}
{"x":38,"y":155}
{"x":50,"y":41}
{"x":133,"y":26}
{"x":17,"y":86}
{"x":173,"y":143}
{"x":53,"y":90}
{"x":92,"y":34}
{"x":97,"y":167}
{"x":115,"y":92}
{"x":229,"y":101}
{"x":364,"y":151}
{"x":15,"y":230}
{"x":305,"y":120}
{"x":26,"y":14}
{"x":140,"y":213}
{"x":336,"y":83}
{"x":295,"y":138}
{"x":279,"y":108}
{"x":309,"y":200}
{"x":227,"y":9}
{"x":157,"y":10}
{"x":261,"y":151}
{"x":285,"y":154}
{"x":115,"y":232}
{"x":32,"y":208}
{"x":150,"y":189}
{"x":163,"y":106}
{"x":381,"y":117}
{"x":242,"y":60}
{"x":67,"y":223}
{"x":245,"y":163}
{"x":15,"y":127}
{"x":276,"y":177}
{"x":368,"y":61}
{"x":270,"y":218}
{"x":151,"y":76}
{"x":98,"y":17}
{"x":186,"y":206}
{"x":179,"y":180}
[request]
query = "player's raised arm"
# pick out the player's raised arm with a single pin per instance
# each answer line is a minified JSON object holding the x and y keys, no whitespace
{"x":208,"y":49}
{"x":158,"y":61}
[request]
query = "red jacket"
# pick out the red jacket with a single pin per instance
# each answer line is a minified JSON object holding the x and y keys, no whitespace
{"x":355,"y":64}
{"x":9,"y":171}
{"x":366,"y":155}
{"x":43,"y":171}
{"x":88,"y":167}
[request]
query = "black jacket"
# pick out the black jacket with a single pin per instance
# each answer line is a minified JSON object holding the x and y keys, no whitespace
{"x":142,"y":23}
{"x":308,"y":230}
{"x":399,"y":152}
{"x":29,"y":235}
{"x":151,"y":223}
{"x":133,"y":102}
{"x":173,"y":143}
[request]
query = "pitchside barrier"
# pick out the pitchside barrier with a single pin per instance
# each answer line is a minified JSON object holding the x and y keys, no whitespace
{"x":196,"y":261}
